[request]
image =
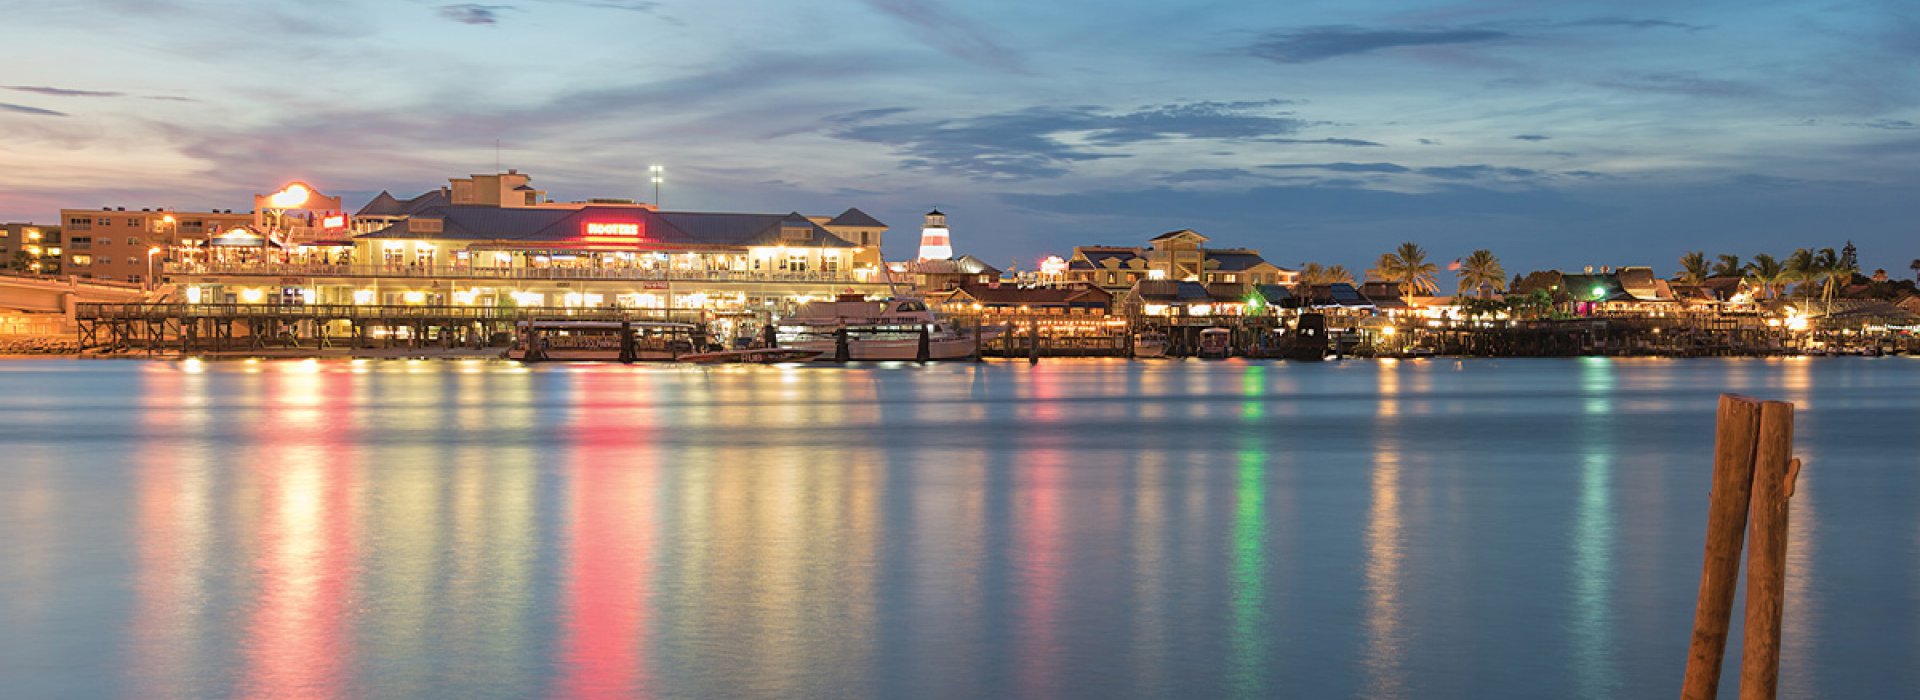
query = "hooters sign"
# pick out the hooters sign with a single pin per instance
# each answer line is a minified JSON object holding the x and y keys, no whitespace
{"x":611,"y":234}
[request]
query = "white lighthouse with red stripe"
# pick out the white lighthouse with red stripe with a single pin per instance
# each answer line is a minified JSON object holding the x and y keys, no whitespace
{"x":934,"y":241}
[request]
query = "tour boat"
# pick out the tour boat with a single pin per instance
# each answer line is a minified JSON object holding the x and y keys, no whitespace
{"x":1216,"y":342}
{"x":851,"y":328}
{"x":607,"y":341}
{"x":751,"y":356}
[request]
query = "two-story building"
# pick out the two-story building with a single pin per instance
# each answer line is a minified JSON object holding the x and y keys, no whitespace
{"x":1179,"y":256}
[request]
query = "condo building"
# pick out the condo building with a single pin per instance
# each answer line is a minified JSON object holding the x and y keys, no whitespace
{"x":114,"y":244}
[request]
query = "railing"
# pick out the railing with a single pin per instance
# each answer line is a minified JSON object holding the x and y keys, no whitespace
{"x":508,"y":273}
{"x":377,"y":312}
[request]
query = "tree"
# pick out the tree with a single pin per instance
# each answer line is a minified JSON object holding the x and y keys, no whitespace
{"x":1849,"y":257}
{"x":1765,"y":272}
{"x":1915,"y":267}
{"x":21,"y":261}
{"x":1729,"y":266}
{"x":1407,"y":266}
{"x":1314,"y":273}
{"x":1482,"y":270}
{"x":1694,"y":268}
{"x":1800,"y":268}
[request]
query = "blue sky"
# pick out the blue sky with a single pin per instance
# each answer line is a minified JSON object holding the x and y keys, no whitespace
{"x":1562,"y":134}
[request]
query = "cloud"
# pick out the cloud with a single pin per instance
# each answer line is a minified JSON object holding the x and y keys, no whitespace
{"x":1685,"y":84}
{"x":1045,"y":141}
{"x":1887,"y":124}
{"x":1343,"y":167}
{"x":1531,"y":137}
{"x":1429,"y":142}
{"x":35,"y":111}
{"x":950,"y":33}
{"x":1320,"y":43}
{"x":61,"y":92}
{"x":1477,"y":172}
{"x":1329,"y":142}
{"x":470,"y":13}
{"x":1205,"y":175}
{"x":1633,"y":23}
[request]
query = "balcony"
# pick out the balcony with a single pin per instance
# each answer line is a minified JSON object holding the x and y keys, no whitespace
{"x":179,"y":269}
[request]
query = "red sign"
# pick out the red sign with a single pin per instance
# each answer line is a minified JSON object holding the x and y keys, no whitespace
{"x":611,"y":235}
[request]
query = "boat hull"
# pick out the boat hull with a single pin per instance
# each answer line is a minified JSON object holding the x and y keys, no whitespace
{"x":907,"y":349}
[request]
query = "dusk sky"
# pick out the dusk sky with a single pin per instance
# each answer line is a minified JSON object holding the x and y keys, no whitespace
{"x":1562,"y":134}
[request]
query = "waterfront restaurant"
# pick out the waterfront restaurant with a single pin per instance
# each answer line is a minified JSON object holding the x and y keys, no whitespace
{"x":580,"y":255}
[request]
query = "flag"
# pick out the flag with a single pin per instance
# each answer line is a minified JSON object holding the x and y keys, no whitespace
{"x":1454,"y":266}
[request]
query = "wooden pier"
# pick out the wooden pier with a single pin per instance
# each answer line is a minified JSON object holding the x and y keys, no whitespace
{"x":186,"y":328}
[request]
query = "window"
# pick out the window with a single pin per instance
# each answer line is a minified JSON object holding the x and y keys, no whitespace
{"x":80,"y":242}
{"x":80,"y":224}
{"x":135,"y":240}
{"x":104,"y":260}
{"x":133,"y":278}
{"x":103,"y":221}
{"x":105,"y":241}
{"x":796,"y":262}
{"x":82,"y":260}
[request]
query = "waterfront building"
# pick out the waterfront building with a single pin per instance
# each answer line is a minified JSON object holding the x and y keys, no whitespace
{"x":935,"y":242}
{"x":115,"y":244}
{"x":947,"y":274}
{"x":1163,"y":297}
{"x":1177,"y":256}
{"x":1628,"y":291}
{"x":28,"y":247}
{"x":997,"y":298}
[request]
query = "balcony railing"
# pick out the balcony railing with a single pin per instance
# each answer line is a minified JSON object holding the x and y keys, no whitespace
{"x":509,"y":273}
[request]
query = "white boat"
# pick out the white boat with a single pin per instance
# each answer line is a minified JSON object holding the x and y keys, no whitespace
{"x":1150,"y":345}
{"x":1216,"y":342}
{"x":891,"y":329}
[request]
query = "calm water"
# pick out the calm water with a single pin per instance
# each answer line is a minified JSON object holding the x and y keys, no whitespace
{"x":1434,"y":529}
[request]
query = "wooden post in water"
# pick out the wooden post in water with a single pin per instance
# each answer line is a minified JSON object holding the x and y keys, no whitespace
{"x":922,"y":352}
{"x":1774,"y":471}
{"x":1033,"y":335}
{"x":979,"y":329}
{"x":1736,"y":430}
{"x":840,"y":351}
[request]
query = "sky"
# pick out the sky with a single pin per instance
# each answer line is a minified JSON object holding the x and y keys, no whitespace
{"x":1558,"y":134}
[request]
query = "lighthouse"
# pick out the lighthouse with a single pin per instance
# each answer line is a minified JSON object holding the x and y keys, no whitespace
{"x":934,"y":242}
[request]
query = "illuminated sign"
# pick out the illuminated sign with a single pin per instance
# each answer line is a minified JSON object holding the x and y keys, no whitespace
{"x":611,"y":235}
{"x":337,"y":221}
{"x":595,"y":228}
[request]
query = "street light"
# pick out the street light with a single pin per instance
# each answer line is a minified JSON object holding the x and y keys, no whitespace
{"x":150,"y":254}
{"x":659,"y":174}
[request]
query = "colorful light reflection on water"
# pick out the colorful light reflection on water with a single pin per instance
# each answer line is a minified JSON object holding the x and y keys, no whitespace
{"x":1076,"y":529}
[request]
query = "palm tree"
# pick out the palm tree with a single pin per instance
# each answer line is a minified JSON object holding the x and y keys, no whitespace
{"x":1729,"y":266}
{"x":1407,"y":266}
{"x":1694,"y":268}
{"x":1314,"y":273}
{"x":1765,"y":272}
{"x":1482,"y":270}
{"x":1800,"y":267}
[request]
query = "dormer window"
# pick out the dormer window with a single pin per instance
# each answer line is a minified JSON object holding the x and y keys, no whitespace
{"x":796,"y":233}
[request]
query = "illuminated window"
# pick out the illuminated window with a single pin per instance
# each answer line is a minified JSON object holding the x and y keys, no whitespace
{"x":82,"y":260}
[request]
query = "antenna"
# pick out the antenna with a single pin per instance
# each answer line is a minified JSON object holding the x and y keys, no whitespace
{"x":658,"y":173}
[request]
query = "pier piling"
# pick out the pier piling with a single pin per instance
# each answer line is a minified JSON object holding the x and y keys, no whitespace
{"x":1773,"y":471}
{"x":1736,"y":429}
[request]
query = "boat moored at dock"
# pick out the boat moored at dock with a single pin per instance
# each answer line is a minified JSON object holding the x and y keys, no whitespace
{"x":852,"y":328}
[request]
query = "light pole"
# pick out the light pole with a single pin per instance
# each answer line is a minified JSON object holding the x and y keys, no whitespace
{"x":659,"y":173}
{"x":150,"y":280}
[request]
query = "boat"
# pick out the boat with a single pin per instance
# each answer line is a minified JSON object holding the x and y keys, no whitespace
{"x":603,"y":341}
{"x":852,"y":328}
{"x":1308,"y":341}
{"x":1216,"y":342}
{"x":751,"y":356}
{"x":1151,"y":344}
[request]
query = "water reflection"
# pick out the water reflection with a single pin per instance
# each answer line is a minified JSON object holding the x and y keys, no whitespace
{"x":1593,"y":535}
{"x":1386,"y":678}
{"x":170,"y":635}
{"x":612,"y":473}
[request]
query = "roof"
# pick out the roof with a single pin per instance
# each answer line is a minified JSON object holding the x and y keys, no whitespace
{"x":1177,"y":234}
{"x":963,"y":265}
{"x":855,"y":217}
{"x":1626,"y":284}
{"x":1337,"y":294}
{"x":1273,"y":293}
{"x":1095,"y":255}
{"x":385,"y":204}
{"x":1235,"y":260}
{"x":478,"y":222}
{"x":1172,"y":292}
{"x":1035,"y":296}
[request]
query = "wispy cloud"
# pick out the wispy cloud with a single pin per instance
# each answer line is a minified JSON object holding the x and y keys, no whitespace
{"x":1044,"y":141}
{"x":1205,"y":175}
{"x":950,"y":33}
{"x":1887,"y":124}
{"x":470,"y":13}
{"x":1479,"y":172}
{"x":1343,"y":167}
{"x":1321,"y":43}
{"x":1685,"y":84}
{"x":61,"y":92}
{"x":1531,"y":137}
{"x":1330,"y":142}
{"x":35,"y":111}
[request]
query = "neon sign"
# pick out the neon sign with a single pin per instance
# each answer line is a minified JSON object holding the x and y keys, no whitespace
{"x":605,"y":235}
{"x":337,"y":221}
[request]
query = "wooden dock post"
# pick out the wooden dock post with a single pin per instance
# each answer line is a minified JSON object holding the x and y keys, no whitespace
{"x":979,"y":329}
{"x":922,"y":351}
{"x":1774,"y":472}
{"x":840,"y":352}
{"x":1736,"y":430}
{"x":1033,"y":339}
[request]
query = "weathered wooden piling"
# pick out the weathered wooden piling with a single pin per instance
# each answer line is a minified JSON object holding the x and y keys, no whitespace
{"x":1736,"y":430}
{"x":1753,"y":477}
{"x":1774,"y":470}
